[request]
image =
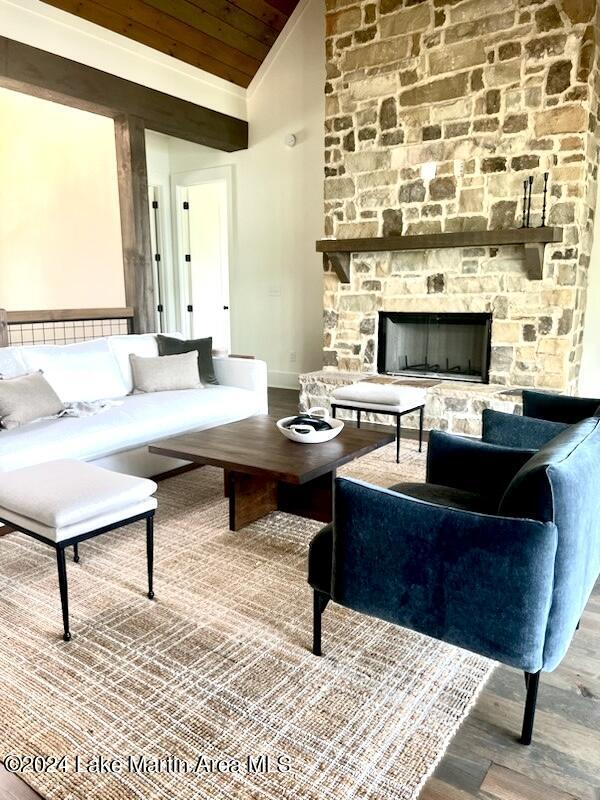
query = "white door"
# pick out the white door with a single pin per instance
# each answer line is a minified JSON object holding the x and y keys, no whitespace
{"x":204,"y":220}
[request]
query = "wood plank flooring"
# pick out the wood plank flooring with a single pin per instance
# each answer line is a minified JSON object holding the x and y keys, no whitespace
{"x":484,"y":760}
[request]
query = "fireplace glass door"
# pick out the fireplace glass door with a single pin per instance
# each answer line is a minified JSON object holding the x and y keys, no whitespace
{"x":452,"y":346}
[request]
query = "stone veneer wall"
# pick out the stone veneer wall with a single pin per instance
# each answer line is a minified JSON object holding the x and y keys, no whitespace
{"x":507,"y":89}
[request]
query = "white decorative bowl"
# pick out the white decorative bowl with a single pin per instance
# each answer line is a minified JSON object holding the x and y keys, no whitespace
{"x":307,"y":435}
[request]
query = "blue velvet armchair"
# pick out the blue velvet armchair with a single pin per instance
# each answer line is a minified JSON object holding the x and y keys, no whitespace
{"x":558,"y":407}
{"x":545,"y":415}
{"x":496,"y":553}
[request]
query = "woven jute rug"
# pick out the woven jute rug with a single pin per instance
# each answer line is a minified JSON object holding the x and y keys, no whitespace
{"x":211,"y":690}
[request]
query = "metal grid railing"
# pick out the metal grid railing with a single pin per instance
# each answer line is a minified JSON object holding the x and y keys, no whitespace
{"x":68,"y":332}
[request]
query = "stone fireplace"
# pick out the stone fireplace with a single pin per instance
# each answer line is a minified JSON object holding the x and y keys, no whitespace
{"x":436,"y":112}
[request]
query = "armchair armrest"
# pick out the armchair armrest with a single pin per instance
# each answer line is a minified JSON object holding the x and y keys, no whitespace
{"x":559,"y":407}
{"x":477,"y":581}
{"x":512,"y":430}
{"x":244,"y":373}
{"x":472,"y":465}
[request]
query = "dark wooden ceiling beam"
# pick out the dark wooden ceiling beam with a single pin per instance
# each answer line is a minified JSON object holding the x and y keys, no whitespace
{"x":214,"y":58}
{"x":51,"y":77}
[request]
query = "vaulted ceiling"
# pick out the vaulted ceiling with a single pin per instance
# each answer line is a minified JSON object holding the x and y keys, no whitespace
{"x":228,"y":38}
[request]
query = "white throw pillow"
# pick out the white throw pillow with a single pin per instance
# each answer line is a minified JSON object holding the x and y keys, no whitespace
{"x":26,"y":399}
{"x":165,"y":373}
{"x":78,"y":372}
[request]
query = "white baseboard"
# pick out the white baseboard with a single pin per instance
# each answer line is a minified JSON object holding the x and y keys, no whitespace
{"x":284,"y":380}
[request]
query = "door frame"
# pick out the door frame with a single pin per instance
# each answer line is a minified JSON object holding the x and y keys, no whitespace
{"x":180,"y":181}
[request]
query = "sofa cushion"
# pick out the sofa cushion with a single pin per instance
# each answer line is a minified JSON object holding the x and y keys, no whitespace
{"x":78,"y":372}
{"x":139,"y":420}
{"x":530,"y":495}
{"x":143,"y":345}
{"x":169,"y":373}
{"x":11,"y":362}
{"x":27,"y":398}
{"x":446,"y":496}
{"x":169,"y":346}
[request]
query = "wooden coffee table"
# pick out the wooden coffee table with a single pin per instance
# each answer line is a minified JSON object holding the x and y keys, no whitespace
{"x":266,"y":472}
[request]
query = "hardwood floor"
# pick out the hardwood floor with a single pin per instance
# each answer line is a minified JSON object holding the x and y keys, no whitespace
{"x":484,"y":760}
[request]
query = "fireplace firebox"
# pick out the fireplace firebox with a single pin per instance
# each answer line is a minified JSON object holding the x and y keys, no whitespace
{"x":450,"y":346}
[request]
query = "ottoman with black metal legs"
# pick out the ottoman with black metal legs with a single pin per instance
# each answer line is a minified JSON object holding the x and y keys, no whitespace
{"x":63,"y":503}
{"x":393,"y":399}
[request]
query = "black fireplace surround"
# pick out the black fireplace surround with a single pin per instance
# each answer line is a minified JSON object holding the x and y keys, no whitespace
{"x":446,"y":346}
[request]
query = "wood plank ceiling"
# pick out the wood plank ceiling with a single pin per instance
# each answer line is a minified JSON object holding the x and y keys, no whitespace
{"x":228,"y":38}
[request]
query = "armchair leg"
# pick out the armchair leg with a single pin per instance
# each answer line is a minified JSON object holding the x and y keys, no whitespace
{"x":320,"y":601}
{"x":532,"y":681}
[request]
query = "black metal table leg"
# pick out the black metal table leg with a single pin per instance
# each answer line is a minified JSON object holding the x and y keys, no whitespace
{"x":358,"y":418}
{"x":398,"y":429}
{"x":333,"y":411}
{"x":150,"y":552}
{"x":64,"y":592}
{"x":76,"y":553}
{"x":421,"y":416}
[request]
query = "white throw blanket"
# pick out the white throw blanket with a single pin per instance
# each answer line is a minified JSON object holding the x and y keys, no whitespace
{"x":88,"y":408}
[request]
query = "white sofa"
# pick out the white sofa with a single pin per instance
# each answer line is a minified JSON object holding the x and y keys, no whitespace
{"x":118,"y":438}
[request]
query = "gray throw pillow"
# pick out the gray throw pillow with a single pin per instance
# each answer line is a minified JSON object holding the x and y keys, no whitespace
{"x":25,"y":399}
{"x":166,"y":373}
{"x":169,"y":346}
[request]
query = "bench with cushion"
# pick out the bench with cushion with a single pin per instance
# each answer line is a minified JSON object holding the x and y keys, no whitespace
{"x":394,"y":399}
{"x":63,"y":503}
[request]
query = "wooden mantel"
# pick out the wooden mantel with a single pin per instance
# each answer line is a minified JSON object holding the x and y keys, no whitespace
{"x":337,"y":252}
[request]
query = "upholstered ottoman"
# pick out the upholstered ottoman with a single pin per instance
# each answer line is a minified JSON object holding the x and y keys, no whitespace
{"x":395,"y":399}
{"x":62,"y":503}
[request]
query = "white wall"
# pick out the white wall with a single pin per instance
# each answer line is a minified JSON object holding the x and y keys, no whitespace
{"x":276,"y":276}
{"x":60,"y":229}
{"x":40,"y":25}
{"x":589,"y":377}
